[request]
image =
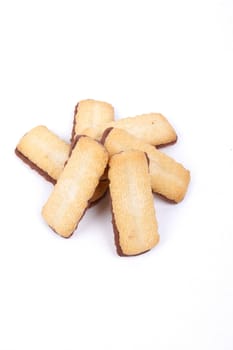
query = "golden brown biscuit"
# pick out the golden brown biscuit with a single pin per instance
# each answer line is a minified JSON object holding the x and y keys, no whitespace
{"x":90,"y":114}
{"x":134,"y":220}
{"x":152,"y":128}
{"x":168,"y":178}
{"x":46,"y":153}
{"x":75,"y":186}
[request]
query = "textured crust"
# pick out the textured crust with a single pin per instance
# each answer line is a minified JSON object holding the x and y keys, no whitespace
{"x":89,"y":115}
{"x":75,"y":186}
{"x":168,"y":178}
{"x":117,"y":238}
{"x":35,"y":167}
{"x":152,"y":128}
{"x":44,"y":149}
{"x":134,"y":221}
{"x":41,"y":149}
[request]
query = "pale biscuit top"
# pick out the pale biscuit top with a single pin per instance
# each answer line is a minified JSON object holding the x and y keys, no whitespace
{"x":48,"y":153}
{"x":38,"y":146}
{"x":132,"y":202}
{"x":168,"y":177}
{"x":75,"y":186}
{"x":152,"y":128}
{"x":91,"y":114}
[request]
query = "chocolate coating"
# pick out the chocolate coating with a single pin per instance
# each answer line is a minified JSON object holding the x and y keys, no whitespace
{"x":105,"y":134}
{"x":117,"y":236}
{"x":35,"y":167}
{"x":74,"y":123}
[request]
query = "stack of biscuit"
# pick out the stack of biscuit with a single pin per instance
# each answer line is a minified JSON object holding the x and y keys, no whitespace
{"x":119,"y":155}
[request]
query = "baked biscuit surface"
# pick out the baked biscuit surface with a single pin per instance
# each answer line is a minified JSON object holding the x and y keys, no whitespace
{"x":168,"y":177}
{"x":75,"y":187}
{"x":152,"y":128}
{"x":136,"y":229}
{"x":46,"y":153}
{"x":45,"y":150}
{"x":90,"y":114}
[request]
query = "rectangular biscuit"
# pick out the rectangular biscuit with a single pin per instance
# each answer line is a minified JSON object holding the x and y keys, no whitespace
{"x":43,"y":151}
{"x":90,"y":114}
{"x":152,"y":128}
{"x":168,"y":178}
{"x":75,"y":186}
{"x":46,"y":153}
{"x":134,"y":220}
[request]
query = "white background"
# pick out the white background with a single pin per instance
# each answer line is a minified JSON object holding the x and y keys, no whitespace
{"x":173,"y":57}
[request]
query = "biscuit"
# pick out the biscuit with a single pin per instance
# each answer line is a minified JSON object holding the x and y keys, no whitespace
{"x":75,"y":186}
{"x":134,"y":220}
{"x":152,"y":128}
{"x":168,"y":178}
{"x":46,"y":153}
{"x":90,"y":114}
{"x":43,"y":151}
{"x":100,"y":191}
